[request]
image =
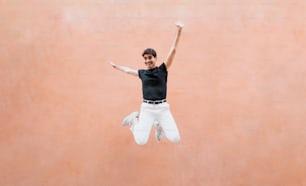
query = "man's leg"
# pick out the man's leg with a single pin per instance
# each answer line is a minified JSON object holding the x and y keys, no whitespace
{"x":168,"y":124}
{"x":142,"y":127}
{"x":132,"y":119}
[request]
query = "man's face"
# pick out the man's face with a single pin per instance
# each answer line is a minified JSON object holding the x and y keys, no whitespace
{"x":150,"y":61}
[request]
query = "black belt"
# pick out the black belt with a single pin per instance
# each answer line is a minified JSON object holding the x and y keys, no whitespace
{"x":154,"y":102}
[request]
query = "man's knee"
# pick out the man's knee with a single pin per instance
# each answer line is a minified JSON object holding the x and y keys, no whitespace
{"x":141,"y":141}
{"x":175,"y":138}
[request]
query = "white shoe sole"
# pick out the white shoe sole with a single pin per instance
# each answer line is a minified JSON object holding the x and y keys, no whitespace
{"x":129,"y":119}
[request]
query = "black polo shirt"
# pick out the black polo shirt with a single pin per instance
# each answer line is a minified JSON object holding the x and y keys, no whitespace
{"x":154,"y":82}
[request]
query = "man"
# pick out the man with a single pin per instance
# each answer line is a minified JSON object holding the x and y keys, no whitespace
{"x":154,"y":108}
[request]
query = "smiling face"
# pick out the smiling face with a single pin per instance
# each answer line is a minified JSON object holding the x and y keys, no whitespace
{"x":149,"y":56}
{"x":150,"y":61}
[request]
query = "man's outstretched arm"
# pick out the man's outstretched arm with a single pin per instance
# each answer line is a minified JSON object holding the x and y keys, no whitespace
{"x":172,"y":51}
{"x":127,"y":70}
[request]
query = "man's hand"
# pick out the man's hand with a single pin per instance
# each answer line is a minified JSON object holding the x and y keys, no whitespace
{"x":179,"y":25}
{"x":113,"y":64}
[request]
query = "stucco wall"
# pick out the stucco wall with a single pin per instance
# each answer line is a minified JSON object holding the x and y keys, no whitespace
{"x":236,"y":88}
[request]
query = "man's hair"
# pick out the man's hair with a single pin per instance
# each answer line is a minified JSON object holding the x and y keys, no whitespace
{"x":149,"y":51}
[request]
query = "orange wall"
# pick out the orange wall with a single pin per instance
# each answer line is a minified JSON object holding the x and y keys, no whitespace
{"x":236,"y":88}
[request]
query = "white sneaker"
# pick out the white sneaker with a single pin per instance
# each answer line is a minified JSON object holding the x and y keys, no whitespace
{"x":128,"y":120}
{"x":159,"y":133}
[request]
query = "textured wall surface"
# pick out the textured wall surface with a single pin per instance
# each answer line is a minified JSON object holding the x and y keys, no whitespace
{"x":237,"y":90}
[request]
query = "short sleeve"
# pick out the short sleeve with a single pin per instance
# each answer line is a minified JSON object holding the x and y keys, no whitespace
{"x":163,"y":67}
{"x":140,"y":73}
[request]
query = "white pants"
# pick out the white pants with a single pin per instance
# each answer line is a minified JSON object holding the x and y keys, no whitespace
{"x":154,"y":112}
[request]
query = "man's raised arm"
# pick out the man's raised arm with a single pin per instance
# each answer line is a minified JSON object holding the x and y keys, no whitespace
{"x":172,"y":51}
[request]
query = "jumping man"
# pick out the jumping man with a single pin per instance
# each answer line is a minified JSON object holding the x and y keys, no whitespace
{"x":154,"y":109}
